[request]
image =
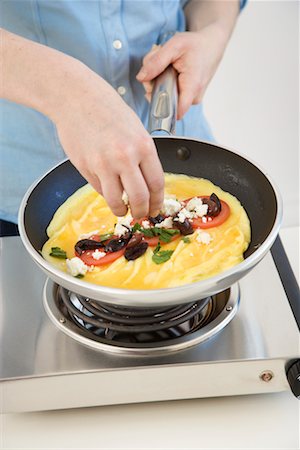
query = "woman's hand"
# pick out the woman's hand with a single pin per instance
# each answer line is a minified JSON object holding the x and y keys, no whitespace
{"x":195,"y":56}
{"x":108,"y":144}
{"x":102,"y":136}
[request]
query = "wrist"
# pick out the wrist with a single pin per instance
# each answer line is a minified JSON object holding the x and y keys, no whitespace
{"x":212,"y":14}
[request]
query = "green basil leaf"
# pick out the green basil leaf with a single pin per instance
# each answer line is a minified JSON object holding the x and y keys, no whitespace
{"x":105,"y":237}
{"x":57,"y":252}
{"x":171,"y":231}
{"x":156,"y":231}
{"x":79,"y":275}
{"x":186,"y":240}
{"x":157,"y":248}
{"x":165,"y":237}
{"x":136,"y":227}
{"x":162,"y":256}
{"x":147,"y":232}
{"x":165,"y":234}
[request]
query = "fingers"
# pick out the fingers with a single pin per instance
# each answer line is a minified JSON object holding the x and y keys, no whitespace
{"x":182,"y":51}
{"x":155,"y":62}
{"x":112,"y":192}
{"x":190,"y":91}
{"x":148,"y":86}
{"x":137,"y":191}
{"x":95,"y":182}
{"x":153,"y":174}
{"x":145,"y":187}
{"x":143,"y":181}
{"x":92,"y":179}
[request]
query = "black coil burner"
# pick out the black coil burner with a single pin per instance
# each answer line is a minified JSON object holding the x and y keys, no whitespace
{"x":121,"y":325}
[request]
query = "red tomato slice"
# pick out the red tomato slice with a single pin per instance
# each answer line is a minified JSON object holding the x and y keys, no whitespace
{"x":87,"y":257}
{"x":153,"y":241}
{"x":215,"y":221}
{"x":95,"y":237}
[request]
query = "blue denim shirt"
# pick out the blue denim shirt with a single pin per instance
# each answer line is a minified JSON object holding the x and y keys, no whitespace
{"x":109,"y":36}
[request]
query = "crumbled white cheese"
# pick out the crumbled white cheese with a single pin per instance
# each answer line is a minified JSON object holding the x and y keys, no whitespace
{"x":125,"y":198}
{"x":76,"y":266}
{"x":196,"y":205}
{"x":185,"y":214}
{"x":171,"y":207}
{"x":97,"y":254}
{"x":166,"y":223}
{"x":202,"y":237}
{"x":204,"y":219}
{"x":146,"y":224}
{"x":88,"y":235}
{"x":122,"y":225}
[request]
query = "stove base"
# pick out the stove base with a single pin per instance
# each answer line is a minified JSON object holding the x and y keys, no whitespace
{"x":144,"y":384}
{"x":42,"y":368}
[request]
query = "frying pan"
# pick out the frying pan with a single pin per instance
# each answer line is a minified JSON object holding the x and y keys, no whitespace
{"x":229,"y":170}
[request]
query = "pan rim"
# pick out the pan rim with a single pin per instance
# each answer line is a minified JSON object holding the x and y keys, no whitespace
{"x":205,"y":284}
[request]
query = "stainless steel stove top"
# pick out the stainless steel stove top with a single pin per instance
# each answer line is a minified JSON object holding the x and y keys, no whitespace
{"x":43,"y":368}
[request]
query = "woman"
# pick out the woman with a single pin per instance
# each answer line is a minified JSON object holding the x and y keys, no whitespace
{"x":73,"y":76}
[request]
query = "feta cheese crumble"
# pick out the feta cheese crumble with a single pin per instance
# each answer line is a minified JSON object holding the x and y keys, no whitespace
{"x":122,"y":225}
{"x":97,"y":254}
{"x":88,"y":235}
{"x":166,"y":223}
{"x":146,"y":224}
{"x":76,"y":266}
{"x":184,"y":214}
{"x":171,"y":207}
{"x":202,"y":237}
{"x":195,"y":205}
{"x":125,"y":198}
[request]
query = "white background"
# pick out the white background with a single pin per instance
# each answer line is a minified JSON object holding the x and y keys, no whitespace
{"x":252,"y":102}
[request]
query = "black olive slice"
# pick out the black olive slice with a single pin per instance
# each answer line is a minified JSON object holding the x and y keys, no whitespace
{"x":214,"y":205}
{"x":87,"y":244}
{"x":185,"y":227}
{"x":136,"y":251}
{"x":117,"y":244}
{"x":158,"y":219}
{"x":135,"y":239}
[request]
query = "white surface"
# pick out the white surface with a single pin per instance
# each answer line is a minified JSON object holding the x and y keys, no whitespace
{"x":253,"y":104}
{"x":267,"y":421}
{"x":253,"y":101}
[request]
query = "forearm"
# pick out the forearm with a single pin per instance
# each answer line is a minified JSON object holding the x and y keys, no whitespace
{"x":202,"y":13}
{"x":99,"y":132}
{"x":40,"y":77}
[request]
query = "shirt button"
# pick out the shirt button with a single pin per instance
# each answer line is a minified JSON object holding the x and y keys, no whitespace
{"x":121,"y":90}
{"x":117,"y":44}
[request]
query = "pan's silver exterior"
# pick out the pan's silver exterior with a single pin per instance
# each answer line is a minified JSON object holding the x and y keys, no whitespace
{"x":151,"y":297}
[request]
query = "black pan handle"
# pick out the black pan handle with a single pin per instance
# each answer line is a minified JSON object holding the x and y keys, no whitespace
{"x":163,"y":106}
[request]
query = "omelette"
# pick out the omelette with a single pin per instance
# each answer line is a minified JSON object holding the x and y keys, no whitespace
{"x":200,"y":232}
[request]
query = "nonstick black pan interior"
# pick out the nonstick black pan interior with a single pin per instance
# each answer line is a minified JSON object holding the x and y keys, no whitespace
{"x":224,"y":168}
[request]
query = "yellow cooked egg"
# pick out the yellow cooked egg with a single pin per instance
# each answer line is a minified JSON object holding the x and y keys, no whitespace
{"x":204,"y":254}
